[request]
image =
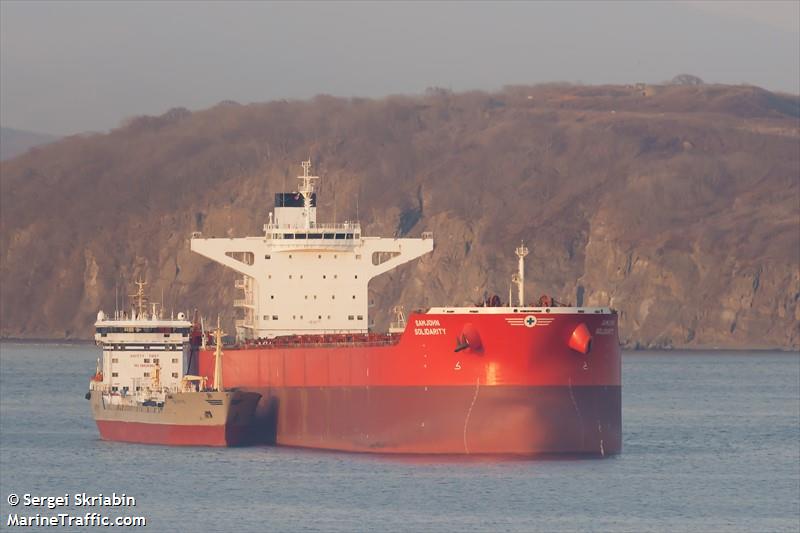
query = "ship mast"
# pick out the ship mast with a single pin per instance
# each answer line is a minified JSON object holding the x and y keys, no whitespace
{"x":521,"y":252}
{"x":218,"y":358}
{"x":307,"y":189}
{"x":141,"y":301}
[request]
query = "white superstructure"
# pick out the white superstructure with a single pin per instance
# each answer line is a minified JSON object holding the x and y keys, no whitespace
{"x":144,"y":355}
{"x":303,"y":277}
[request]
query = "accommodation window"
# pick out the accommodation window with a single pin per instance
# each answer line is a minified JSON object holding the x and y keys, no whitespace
{"x":174,"y":359}
{"x":349,"y":317}
{"x":114,"y":360}
{"x":354,"y":297}
{"x":274,"y":317}
{"x":271,"y":296}
{"x":174,"y":374}
{"x":324,"y":276}
{"x":147,"y":374}
{"x":360,"y":317}
{"x":114,"y":389}
{"x":147,"y":360}
{"x":319,"y":317}
{"x":267,"y":256}
{"x":115,"y":374}
{"x":155,"y":361}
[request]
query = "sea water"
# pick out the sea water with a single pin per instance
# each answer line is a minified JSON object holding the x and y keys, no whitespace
{"x":711,"y":443}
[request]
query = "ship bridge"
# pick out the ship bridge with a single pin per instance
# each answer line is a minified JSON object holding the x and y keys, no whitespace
{"x":302,"y":277}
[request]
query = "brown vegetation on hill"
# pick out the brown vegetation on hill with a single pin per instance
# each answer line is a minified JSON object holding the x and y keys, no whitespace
{"x":677,"y":205}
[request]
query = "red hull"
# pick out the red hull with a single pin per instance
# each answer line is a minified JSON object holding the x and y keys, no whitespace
{"x":172,"y":434}
{"x":524,"y":391}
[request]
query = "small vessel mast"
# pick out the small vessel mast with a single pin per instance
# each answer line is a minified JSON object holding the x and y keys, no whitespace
{"x":218,"y":358}
{"x":521,"y":252}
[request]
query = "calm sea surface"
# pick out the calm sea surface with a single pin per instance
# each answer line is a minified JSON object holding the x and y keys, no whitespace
{"x":711,"y":443}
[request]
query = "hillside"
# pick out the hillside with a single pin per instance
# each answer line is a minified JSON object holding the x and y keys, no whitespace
{"x":15,"y":142}
{"x":679,"y":206}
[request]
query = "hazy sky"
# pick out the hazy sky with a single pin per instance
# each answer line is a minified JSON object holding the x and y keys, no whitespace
{"x":68,"y":67}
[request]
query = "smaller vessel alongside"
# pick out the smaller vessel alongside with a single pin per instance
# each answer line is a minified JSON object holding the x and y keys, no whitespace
{"x":146,"y":389}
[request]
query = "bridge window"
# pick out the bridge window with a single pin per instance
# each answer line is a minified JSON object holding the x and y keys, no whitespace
{"x":248,"y":258}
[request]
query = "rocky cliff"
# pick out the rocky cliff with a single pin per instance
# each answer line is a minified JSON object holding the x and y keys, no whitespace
{"x":678,"y":206}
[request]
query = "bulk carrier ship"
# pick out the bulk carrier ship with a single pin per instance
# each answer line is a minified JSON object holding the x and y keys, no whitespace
{"x":516,"y":379}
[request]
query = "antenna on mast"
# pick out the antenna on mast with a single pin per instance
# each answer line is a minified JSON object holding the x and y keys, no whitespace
{"x":307,"y":190}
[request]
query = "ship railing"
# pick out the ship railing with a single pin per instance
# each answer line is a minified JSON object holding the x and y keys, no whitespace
{"x":243,"y":303}
{"x":325,"y":341}
{"x":344,"y":226}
